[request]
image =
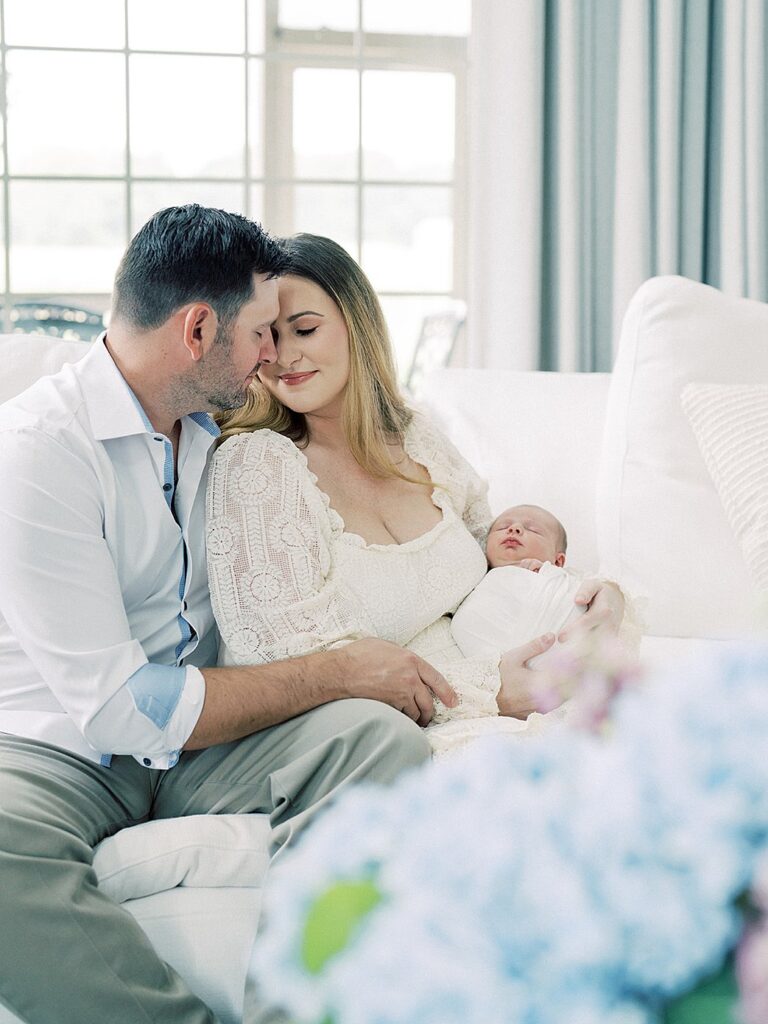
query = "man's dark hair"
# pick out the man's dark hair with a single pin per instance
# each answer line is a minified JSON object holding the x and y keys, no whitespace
{"x":192,"y":254}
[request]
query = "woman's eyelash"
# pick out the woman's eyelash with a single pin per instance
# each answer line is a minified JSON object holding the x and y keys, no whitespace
{"x":305,"y":332}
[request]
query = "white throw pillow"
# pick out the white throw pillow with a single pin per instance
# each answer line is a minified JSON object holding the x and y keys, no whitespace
{"x":731,"y":425}
{"x":662,"y":529}
{"x":211,"y":850}
{"x":25,"y":357}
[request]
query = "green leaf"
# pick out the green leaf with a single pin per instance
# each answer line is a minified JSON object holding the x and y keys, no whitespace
{"x":711,"y":1002}
{"x":333,"y":918}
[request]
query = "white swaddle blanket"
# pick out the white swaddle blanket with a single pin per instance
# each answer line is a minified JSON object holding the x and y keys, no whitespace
{"x":511,"y":606}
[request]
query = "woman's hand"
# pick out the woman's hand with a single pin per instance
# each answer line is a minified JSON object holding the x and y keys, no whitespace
{"x":515,"y":698}
{"x":605,"y":610}
{"x":379,"y":670}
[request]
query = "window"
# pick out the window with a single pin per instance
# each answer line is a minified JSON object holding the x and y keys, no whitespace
{"x":341,"y":117}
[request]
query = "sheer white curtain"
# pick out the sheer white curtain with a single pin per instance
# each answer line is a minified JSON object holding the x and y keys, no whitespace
{"x":611,"y":140}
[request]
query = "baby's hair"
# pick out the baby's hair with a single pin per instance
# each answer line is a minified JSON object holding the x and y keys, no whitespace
{"x":563,"y":537}
{"x":563,"y":540}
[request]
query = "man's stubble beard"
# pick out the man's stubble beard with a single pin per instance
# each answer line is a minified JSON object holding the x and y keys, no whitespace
{"x":222,"y":393}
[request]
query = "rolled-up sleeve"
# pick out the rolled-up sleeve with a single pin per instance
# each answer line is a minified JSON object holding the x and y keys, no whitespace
{"x":61,"y":597}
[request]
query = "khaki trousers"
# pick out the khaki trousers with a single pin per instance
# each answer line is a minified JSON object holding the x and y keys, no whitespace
{"x":68,"y":954}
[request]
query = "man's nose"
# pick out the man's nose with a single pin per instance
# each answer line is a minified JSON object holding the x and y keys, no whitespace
{"x":268,"y":349}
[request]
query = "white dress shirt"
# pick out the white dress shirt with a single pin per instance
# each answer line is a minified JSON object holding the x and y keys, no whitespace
{"x":104,"y":604}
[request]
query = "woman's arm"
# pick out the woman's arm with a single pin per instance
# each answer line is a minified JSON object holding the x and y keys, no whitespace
{"x":269,"y":565}
{"x":270,"y":556}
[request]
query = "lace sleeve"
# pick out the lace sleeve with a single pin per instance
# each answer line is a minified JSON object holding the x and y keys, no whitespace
{"x":466,"y":490}
{"x":269,"y":554}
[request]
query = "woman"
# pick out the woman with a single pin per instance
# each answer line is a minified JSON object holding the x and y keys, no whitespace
{"x":336,"y":512}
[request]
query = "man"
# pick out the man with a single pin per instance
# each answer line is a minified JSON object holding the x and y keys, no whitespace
{"x":109,"y":710}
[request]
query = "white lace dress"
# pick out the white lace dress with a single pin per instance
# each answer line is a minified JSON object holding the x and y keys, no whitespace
{"x":287,"y":579}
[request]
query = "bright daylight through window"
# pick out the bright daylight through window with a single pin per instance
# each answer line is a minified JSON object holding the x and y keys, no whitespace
{"x":341,"y":117}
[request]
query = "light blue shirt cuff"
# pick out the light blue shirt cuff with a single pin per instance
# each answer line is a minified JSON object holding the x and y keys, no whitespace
{"x":156,"y":690}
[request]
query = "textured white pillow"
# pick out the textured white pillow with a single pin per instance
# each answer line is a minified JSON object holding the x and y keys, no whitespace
{"x":731,"y":425}
{"x":662,"y":529}
{"x":210,"y":850}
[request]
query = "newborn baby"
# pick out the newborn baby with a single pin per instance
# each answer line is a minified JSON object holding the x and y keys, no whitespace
{"x":526,"y":593}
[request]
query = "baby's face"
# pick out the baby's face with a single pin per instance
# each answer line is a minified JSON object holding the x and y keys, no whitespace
{"x":524,"y":531}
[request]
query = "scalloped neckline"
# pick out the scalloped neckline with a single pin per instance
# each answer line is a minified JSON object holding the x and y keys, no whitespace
{"x":339,"y":527}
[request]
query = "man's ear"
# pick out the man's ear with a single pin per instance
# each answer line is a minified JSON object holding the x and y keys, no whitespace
{"x":199,"y":329}
{"x":560,"y":559}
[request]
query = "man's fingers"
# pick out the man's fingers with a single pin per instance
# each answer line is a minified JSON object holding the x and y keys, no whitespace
{"x":438,"y":684}
{"x":424,"y":706}
{"x":412,"y":710}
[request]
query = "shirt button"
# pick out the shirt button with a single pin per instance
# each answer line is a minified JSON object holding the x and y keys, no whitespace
{"x":159,"y":439}
{"x":146,"y":761}
{"x":167,"y":487}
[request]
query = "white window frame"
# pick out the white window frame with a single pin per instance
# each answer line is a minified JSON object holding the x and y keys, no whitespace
{"x":285,"y":51}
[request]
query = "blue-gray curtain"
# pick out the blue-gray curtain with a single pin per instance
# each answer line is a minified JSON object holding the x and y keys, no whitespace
{"x":612,"y":140}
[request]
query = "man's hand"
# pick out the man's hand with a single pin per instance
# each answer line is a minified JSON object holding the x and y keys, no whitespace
{"x":529,"y":563}
{"x":605,"y":610}
{"x":379,"y":670}
{"x":515,"y":697}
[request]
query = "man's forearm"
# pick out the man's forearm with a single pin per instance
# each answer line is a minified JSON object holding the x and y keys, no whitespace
{"x":244,"y":699}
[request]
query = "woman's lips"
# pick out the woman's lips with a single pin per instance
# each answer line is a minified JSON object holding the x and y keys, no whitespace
{"x":292,"y":379}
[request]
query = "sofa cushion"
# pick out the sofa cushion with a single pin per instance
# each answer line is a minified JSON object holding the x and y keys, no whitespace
{"x":206,"y":935}
{"x":731,"y":425}
{"x":662,"y":528}
{"x":200,"y":850}
{"x":536,"y":438}
{"x":25,"y":357}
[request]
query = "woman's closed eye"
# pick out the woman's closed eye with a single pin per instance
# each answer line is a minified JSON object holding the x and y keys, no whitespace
{"x":304,"y":332}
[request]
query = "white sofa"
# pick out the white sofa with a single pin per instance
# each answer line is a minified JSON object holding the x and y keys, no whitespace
{"x":614,"y":456}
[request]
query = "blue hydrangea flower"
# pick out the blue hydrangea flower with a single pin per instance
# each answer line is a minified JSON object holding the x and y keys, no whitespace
{"x":568,"y":877}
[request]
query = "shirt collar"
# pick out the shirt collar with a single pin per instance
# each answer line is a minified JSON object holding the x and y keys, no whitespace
{"x":113,"y":409}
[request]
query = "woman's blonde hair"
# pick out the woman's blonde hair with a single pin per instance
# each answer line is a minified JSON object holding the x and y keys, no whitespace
{"x":374,"y":414}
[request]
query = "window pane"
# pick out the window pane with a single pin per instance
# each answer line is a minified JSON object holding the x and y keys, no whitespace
{"x":408,"y":238}
{"x":66,"y":236}
{"x":325,"y":123}
{"x":187,"y":25}
{"x":149,"y":197}
{"x":405,"y":318}
{"x":337,"y":15}
{"x":187,"y":116}
{"x":75,"y":23}
{"x":427,"y":17}
{"x":75,"y":127}
{"x":408,"y":125}
{"x":256,"y":26}
{"x":256,"y":139}
{"x":329,"y":210}
{"x":256,"y":211}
